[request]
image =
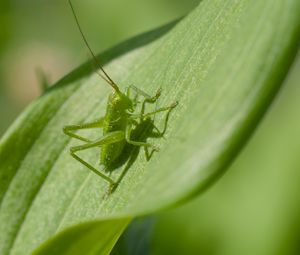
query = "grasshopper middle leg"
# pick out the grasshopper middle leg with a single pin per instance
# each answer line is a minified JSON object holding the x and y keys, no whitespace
{"x":69,"y":130}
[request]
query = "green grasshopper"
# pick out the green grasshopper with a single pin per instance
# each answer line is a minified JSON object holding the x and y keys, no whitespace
{"x":118,"y":123}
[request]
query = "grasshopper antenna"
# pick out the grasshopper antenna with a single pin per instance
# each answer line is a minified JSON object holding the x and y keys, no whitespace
{"x":105,"y":76}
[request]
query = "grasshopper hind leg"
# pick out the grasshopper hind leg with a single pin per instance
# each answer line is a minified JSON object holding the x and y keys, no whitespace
{"x":110,"y":138}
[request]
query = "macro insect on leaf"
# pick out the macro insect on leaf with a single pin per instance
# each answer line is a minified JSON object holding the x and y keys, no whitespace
{"x":118,"y":124}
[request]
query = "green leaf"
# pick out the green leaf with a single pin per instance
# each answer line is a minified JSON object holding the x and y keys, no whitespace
{"x":255,"y":208}
{"x":224,"y":63}
{"x":87,"y":238}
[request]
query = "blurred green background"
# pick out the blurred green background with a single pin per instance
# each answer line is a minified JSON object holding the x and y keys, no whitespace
{"x":253,"y":209}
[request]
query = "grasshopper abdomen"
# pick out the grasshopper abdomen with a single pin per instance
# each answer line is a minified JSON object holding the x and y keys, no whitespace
{"x":116,"y":119}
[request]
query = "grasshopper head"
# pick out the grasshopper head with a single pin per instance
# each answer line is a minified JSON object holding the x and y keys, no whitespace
{"x":123,"y":101}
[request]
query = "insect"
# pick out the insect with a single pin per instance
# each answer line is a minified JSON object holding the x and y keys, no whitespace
{"x":118,"y":124}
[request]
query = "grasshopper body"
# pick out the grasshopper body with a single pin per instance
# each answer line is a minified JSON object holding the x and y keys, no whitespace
{"x":116,"y":119}
{"x":118,"y":123}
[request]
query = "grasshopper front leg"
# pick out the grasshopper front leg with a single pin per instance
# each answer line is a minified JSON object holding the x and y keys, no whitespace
{"x":148,"y":99}
{"x":163,"y":109}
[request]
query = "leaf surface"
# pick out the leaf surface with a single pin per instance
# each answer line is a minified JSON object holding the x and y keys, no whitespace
{"x":87,"y":238}
{"x":224,"y":63}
